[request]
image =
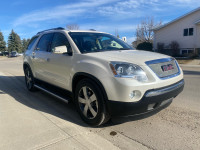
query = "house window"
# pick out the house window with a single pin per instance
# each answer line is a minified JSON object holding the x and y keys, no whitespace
{"x":184,"y":51}
{"x":187,"y":51}
{"x":185,"y":32}
{"x":188,"y":32}
{"x":191,"y":30}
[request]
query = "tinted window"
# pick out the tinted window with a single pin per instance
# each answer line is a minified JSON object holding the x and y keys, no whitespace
{"x":31,"y":43}
{"x":60,"y":39}
{"x":45,"y":42}
{"x":98,"y":42}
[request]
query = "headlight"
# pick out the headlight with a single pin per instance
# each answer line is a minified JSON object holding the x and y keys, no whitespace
{"x":127,"y":70}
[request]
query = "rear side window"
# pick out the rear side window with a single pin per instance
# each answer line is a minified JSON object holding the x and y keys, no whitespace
{"x":60,"y":39}
{"x":45,"y":42}
{"x":31,"y":43}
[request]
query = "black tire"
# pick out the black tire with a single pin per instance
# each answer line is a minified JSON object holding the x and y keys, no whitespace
{"x":29,"y":79}
{"x":91,"y":109}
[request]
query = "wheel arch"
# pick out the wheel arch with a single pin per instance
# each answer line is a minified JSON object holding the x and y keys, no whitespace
{"x":81,"y":75}
{"x":26,"y":65}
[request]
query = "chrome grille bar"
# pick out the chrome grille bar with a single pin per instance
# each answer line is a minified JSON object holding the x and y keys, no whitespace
{"x":156,"y":67}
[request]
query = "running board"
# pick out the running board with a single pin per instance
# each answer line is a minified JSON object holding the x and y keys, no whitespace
{"x":55,"y":95}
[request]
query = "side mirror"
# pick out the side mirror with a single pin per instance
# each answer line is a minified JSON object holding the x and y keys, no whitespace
{"x":60,"y":50}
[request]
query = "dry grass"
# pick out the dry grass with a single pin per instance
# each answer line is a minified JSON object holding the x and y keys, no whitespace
{"x":190,"y":61}
{"x":3,"y":57}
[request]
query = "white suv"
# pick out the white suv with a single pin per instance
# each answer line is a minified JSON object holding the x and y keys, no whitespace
{"x":103,"y":75}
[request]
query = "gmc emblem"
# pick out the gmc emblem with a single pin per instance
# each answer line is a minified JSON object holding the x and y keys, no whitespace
{"x":167,"y":67}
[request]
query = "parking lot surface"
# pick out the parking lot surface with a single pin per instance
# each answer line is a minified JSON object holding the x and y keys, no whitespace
{"x":39,"y":121}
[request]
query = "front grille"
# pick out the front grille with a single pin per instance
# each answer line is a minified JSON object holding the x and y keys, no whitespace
{"x":164,"y":68}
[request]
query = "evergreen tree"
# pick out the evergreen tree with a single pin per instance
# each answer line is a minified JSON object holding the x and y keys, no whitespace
{"x":2,"y":43}
{"x":18,"y":43}
{"x":14,"y":42}
{"x":25,"y":43}
{"x":11,"y":41}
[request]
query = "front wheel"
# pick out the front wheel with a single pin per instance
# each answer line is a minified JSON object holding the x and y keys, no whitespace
{"x":90,"y":103}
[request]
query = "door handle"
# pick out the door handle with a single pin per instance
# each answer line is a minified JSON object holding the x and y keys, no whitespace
{"x":33,"y":54}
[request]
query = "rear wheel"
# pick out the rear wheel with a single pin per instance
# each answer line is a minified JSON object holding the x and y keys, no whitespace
{"x":90,"y":103}
{"x":29,"y":79}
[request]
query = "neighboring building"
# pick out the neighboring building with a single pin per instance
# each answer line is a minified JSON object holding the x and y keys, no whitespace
{"x":185,"y":30}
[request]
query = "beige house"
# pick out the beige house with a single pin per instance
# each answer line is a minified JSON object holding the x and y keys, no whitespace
{"x":185,"y":30}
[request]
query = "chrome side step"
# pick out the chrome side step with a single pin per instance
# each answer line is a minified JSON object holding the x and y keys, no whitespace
{"x":57,"y":96}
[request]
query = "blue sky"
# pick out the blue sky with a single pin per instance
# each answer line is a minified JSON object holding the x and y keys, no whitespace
{"x":27,"y":17}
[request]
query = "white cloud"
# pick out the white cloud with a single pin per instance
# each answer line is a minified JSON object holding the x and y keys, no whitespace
{"x":59,"y":12}
{"x":140,"y":8}
{"x":125,"y":28}
{"x":184,"y":3}
{"x":113,"y":9}
{"x":126,"y":7}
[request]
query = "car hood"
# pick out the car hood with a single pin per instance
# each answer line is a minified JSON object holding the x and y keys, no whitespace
{"x":133,"y":56}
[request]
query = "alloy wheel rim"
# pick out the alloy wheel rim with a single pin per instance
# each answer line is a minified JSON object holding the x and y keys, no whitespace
{"x":88,"y":102}
{"x":28,"y":79}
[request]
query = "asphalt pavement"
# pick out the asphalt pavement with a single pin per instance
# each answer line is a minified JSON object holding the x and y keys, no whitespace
{"x":39,"y":121}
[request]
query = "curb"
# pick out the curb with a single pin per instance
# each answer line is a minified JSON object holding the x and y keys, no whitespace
{"x":185,"y":65}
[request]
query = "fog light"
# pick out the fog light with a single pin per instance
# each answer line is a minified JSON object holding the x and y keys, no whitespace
{"x":151,"y":106}
{"x":132,"y":94}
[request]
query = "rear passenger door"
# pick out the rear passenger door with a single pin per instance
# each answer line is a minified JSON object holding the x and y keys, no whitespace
{"x":41,"y":55}
{"x":58,"y":67}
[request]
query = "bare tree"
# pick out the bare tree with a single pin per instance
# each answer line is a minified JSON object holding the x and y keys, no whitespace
{"x":144,"y":31}
{"x":174,"y":47}
{"x":73,"y":27}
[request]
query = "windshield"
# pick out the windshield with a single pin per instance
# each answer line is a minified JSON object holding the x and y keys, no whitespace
{"x":88,"y":42}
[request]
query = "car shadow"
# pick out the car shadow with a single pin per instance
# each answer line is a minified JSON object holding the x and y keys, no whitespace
{"x":15,"y":87}
{"x":41,"y":101}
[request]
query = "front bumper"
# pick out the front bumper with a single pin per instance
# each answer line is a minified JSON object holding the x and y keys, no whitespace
{"x":151,"y":100}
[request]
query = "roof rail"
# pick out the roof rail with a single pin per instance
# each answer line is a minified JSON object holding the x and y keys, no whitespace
{"x":59,"y":28}
{"x":92,"y":29}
